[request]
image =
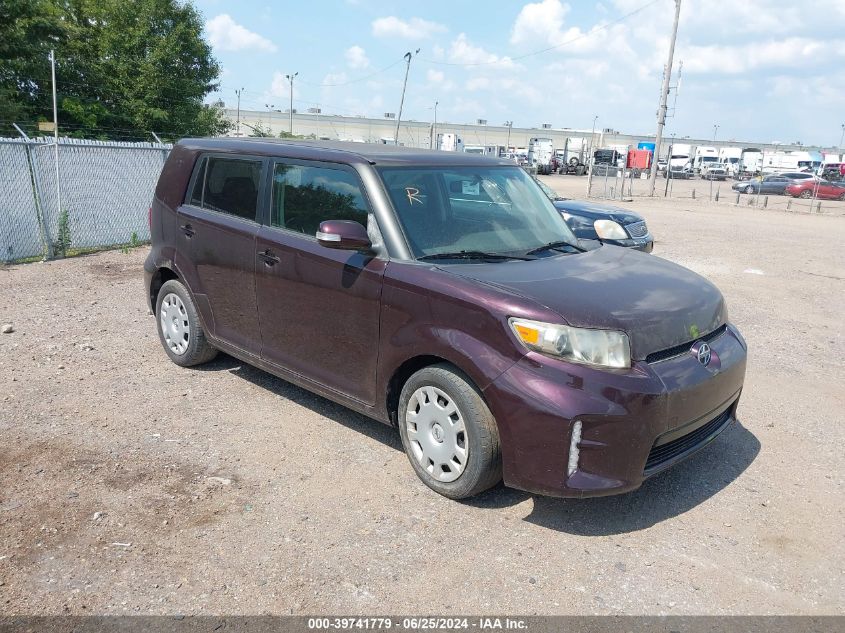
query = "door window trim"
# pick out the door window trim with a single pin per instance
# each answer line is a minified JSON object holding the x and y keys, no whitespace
{"x":200,"y":166}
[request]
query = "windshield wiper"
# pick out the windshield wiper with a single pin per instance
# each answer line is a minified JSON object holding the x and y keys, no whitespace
{"x":555,"y":246}
{"x":474,"y":255}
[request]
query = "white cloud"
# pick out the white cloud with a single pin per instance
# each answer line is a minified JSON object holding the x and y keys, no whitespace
{"x":227,"y":35}
{"x":434,"y":76}
{"x":280,"y":87}
{"x":463,"y":52}
{"x":478,"y":83}
{"x":356,"y":57}
{"x":413,"y":29}
{"x":792,"y":52}
{"x":543,"y":20}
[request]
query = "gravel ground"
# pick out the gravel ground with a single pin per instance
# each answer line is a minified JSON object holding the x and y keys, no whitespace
{"x":130,"y":485}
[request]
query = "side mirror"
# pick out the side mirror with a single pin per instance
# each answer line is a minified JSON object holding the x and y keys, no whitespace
{"x":343,"y":235}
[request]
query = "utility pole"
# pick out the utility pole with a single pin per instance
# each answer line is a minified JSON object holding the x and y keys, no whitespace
{"x":842,"y":138}
{"x":56,"y":133}
{"x":508,"y":145}
{"x":238,"y":124}
{"x":589,"y":157}
{"x":664,"y":95}
{"x":434,"y":128}
{"x":290,"y":79}
{"x":408,"y":57}
{"x":715,"y":130}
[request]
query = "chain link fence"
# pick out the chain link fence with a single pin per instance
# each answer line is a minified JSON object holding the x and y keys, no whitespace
{"x":105,"y":190}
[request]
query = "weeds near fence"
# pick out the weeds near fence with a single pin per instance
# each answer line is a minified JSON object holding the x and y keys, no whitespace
{"x":63,"y":238}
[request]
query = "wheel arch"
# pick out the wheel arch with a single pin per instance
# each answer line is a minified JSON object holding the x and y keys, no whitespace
{"x":407,"y":369}
{"x":162,"y":275}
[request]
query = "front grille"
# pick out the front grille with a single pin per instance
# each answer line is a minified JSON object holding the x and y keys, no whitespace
{"x":660,"y":455}
{"x":637,"y":229}
{"x":683,"y":348}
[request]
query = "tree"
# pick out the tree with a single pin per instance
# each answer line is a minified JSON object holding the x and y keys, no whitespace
{"x":124,"y":69}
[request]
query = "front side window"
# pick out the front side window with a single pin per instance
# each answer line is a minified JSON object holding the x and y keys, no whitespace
{"x":227,"y":185}
{"x":304,"y":196}
{"x":496,"y":210}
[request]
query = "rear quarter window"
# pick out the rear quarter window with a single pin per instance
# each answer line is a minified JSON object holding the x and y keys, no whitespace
{"x":227,"y":185}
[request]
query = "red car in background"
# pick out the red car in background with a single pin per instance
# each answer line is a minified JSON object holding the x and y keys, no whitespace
{"x":823,"y":189}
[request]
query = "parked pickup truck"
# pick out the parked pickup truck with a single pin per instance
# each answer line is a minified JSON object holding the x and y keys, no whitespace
{"x":714,"y":171}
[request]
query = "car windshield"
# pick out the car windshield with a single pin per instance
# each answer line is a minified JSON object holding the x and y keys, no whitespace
{"x":478,"y":210}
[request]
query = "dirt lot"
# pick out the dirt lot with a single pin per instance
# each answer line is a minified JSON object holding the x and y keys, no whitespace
{"x":129,"y":485}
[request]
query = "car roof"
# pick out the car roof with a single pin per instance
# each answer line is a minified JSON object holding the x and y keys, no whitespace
{"x":341,"y":151}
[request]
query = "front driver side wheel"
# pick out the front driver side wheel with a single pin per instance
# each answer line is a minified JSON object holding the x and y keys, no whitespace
{"x":179,"y":327}
{"x":749,"y":189}
{"x":449,"y":433}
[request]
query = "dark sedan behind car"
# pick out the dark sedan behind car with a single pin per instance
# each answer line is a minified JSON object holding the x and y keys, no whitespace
{"x":771,"y":184}
{"x":607,"y":224}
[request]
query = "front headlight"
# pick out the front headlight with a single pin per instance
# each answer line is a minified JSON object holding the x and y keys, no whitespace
{"x":610,"y":230}
{"x":606,"y":348}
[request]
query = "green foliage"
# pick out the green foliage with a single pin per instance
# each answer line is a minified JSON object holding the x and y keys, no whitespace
{"x":63,"y":239}
{"x":258,"y":130}
{"x":124,"y":69}
{"x":134,"y":241}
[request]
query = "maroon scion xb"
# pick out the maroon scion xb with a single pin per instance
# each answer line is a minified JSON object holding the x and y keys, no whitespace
{"x":444,"y":294}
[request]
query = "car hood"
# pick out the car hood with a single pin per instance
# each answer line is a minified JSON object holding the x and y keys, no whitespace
{"x":657,"y":303}
{"x":597,"y":211}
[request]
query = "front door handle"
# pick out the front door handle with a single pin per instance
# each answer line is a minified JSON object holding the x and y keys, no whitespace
{"x":268,"y":257}
{"x":187,"y":229}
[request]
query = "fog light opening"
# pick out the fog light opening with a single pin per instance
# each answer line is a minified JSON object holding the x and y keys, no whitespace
{"x":574,"y":451}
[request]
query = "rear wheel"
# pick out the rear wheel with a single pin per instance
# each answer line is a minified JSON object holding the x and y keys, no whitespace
{"x":842,"y":197}
{"x":749,"y":189}
{"x":179,"y":327}
{"x":806,"y":194}
{"x":448,"y":432}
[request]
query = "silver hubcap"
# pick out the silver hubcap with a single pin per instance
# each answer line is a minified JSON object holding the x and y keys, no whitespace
{"x":437,"y":434}
{"x":174,"y":324}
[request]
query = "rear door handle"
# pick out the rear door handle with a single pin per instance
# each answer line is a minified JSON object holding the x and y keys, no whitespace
{"x":268,"y":257}
{"x":187,"y":229}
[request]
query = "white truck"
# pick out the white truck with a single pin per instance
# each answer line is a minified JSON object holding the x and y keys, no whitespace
{"x":796,"y":160}
{"x":750,"y":162}
{"x":704,"y":155}
{"x":730,"y":157}
{"x":450,"y":143}
{"x":540,"y":153}
{"x":680,"y":164}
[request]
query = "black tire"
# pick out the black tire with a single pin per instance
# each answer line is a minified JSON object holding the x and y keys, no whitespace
{"x":806,"y":194}
{"x":842,"y":197}
{"x":749,"y":189}
{"x":483,"y":468}
{"x":198,"y":350}
{"x":573,"y":161}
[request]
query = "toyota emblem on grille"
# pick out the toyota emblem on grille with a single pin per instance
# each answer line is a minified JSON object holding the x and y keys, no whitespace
{"x":704,"y":354}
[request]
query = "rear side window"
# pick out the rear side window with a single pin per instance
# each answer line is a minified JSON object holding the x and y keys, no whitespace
{"x":304,"y":196}
{"x":227,"y":185}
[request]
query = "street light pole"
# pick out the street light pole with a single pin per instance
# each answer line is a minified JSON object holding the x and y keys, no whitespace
{"x":269,"y":107}
{"x":842,"y":138}
{"x":664,"y":95}
{"x":508,"y":146}
{"x":290,"y":79}
{"x":238,"y":124}
{"x":408,"y":56}
{"x":715,"y":130}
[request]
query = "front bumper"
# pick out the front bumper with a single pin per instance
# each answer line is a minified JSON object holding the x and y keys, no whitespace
{"x":635,"y":423}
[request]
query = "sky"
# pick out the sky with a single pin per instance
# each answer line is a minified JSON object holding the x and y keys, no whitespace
{"x":760,"y":70}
